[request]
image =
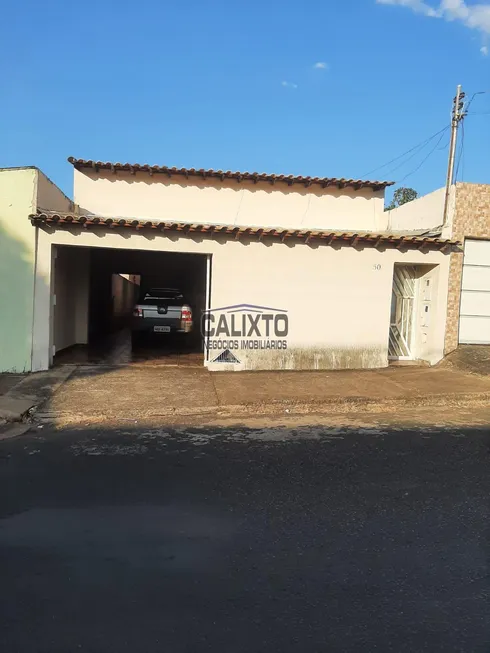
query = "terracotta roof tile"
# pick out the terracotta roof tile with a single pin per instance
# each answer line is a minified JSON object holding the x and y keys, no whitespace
{"x":305,"y":235}
{"x":228,"y":174}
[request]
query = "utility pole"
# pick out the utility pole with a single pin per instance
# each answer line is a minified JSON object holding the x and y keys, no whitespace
{"x":457,"y":116}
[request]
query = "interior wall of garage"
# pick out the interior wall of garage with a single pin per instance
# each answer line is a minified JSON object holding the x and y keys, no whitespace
{"x":125,"y":291}
{"x":338,"y":299}
{"x":70,"y":296}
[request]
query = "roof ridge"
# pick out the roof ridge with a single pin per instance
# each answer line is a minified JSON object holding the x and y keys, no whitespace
{"x":340,"y":182}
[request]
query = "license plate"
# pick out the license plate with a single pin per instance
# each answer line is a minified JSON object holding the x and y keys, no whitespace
{"x":161,"y":329}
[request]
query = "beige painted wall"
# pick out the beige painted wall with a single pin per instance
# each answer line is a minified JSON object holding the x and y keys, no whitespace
{"x":176,"y":199}
{"x":22,"y":192}
{"x":50,"y":197}
{"x":18,"y":190}
{"x":423,"y":213}
{"x":338,"y":300}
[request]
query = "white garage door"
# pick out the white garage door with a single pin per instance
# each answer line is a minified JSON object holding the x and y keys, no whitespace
{"x":474,"y":324}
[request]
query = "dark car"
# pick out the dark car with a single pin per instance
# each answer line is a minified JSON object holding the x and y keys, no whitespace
{"x":161,"y":311}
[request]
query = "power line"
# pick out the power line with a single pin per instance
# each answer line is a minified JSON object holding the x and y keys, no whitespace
{"x":414,"y":154}
{"x":473,"y":97}
{"x":420,"y":146}
{"x":416,"y":147}
{"x":423,"y":160}
{"x":443,"y":147}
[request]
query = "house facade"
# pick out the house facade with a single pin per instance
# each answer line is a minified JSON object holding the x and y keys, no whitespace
{"x":468,"y":305}
{"x":283,"y":272}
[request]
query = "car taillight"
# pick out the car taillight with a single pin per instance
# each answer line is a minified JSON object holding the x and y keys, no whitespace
{"x":186,"y":314}
{"x":138,"y":312}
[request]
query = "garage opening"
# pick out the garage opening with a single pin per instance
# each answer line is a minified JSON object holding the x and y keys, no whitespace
{"x":120,"y":307}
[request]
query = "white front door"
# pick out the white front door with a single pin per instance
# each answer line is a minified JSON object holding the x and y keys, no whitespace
{"x":402,"y":313}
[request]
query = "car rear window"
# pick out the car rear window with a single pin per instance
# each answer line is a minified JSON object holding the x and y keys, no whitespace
{"x":155,"y":296}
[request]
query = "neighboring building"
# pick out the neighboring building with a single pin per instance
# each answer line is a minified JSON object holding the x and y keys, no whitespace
{"x":22,"y":192}
{"x":468,"y":319}
{"x":315,"y":253}
{"x":468,"y":313}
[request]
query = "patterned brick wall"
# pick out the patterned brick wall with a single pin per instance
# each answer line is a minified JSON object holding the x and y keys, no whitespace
{"x":471,"y":220}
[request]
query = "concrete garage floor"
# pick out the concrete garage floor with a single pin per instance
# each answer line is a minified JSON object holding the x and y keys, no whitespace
{"x":285,"y":540}
{"x":116,"y":349}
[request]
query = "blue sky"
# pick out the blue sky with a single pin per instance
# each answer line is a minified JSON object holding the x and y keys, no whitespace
{"x":234,"y":85}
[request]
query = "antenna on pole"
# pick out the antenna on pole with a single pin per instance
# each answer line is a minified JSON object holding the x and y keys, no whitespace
{"x":457,"y":115}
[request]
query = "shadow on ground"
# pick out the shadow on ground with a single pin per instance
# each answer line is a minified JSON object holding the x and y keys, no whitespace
{"x":469,"y":358}
{"x":239,"y":539}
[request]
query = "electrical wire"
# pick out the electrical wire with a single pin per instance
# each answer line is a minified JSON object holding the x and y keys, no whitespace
{"x":473,"y":97}
{"x":444,"y":147}
{"x":416,"y":147}
{"x":423,"y":160}
{"x":415,"y":154}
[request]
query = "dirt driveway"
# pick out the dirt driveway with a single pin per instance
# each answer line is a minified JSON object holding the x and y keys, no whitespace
{"x":100,"y":393}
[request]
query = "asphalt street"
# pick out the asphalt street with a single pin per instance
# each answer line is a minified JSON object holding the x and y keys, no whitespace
{"x":241,"y":540}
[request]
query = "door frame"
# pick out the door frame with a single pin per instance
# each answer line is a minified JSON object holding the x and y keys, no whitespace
{"x":413,"y":331}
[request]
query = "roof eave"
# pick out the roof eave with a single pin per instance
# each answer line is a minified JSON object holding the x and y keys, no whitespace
{"x":237,"y":231}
